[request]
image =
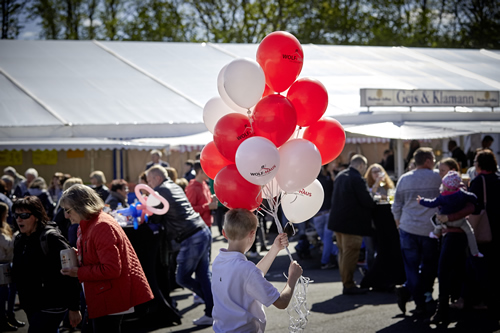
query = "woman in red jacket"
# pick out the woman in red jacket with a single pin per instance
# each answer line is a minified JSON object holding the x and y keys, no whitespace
{"x":112,"y":276}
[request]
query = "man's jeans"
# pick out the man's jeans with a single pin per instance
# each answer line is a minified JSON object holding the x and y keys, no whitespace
{"x":326,"y":236}
{"x":193,"y":257}
{"x":420,"y":257}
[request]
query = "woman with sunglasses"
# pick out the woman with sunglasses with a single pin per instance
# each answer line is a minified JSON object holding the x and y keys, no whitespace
{"x":44,"y":293}
{"x":112,"y":276}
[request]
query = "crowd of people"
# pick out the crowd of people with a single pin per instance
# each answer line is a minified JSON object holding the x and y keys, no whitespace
{"x":431,"y":203}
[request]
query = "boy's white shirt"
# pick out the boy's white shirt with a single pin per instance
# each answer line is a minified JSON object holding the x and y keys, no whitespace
{"x":240,"y":292}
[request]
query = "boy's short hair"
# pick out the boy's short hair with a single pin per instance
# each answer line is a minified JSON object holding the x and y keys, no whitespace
{"x":239,"y":222}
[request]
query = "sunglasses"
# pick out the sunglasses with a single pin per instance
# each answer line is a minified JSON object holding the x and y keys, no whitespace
{"x":23,"y":216}
{"x":67,"y":210}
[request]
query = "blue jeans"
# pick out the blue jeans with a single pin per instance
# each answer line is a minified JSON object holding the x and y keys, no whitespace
{"x":326,"y":236}
{"x":193,"y":257}
{"x":44,"y":322}
{"x":420,"y":258}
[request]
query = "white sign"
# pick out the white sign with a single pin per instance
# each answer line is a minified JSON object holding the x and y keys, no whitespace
{"x":396,"y":97}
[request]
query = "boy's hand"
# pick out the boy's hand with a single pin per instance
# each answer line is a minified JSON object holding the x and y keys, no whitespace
{"x":281,"y":241}
{"x":294,"y":271}
{"x":419,"y":198}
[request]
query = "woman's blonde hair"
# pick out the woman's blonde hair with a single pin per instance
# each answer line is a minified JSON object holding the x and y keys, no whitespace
{"x":71,"y":181}
{"x":370,"y":180}
{"x":239,"y":222}
{"x":83,"y":200}
{"x":99,"y":176}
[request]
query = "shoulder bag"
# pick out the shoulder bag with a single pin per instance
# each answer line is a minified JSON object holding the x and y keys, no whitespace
{"x":480,"y":223}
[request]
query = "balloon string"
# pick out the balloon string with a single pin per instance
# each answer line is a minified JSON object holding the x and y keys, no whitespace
{"x":250,"y":119}
{"x":297,"y":310}
{"x":298,"y":132}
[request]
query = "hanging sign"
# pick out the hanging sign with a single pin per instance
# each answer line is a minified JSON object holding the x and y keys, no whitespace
{"x":44,"y":157}
{"x":398,"y":97}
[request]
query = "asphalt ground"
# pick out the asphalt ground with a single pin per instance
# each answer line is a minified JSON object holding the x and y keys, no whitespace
{"x":330,"y":311}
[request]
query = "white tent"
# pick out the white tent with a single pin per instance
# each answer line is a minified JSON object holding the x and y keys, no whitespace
{"x":128,"y":90}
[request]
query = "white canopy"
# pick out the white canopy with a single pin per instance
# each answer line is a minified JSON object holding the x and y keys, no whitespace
{"x":128,"y":90}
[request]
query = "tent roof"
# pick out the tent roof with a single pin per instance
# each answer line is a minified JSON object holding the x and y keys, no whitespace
{"x":90,"y":89}
{"x":77,"y":143}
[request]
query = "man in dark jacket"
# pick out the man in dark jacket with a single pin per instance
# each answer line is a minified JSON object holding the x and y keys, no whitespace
{"x":187,"y":228}
{"x":350,"y":219}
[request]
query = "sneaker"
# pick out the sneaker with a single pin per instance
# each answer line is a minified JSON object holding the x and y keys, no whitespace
{"x":204,"y":321}
{"x":198,"y":300}
{"x":329,"y":265}
{"x":403,"y":296}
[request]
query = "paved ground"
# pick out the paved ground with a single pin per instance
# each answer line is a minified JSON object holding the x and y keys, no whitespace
{"x":330,"y":311}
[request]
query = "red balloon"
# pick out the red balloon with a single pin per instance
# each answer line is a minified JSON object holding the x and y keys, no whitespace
{"x":310,"y":99}
{"x":234,"y":191}
{"x":211,"y":160}
{"x":329,"y":137}
{"x":230,"y":131}
{"x":267,"y":91}
{"x":281,"y":57}
{"x":275,"y":119}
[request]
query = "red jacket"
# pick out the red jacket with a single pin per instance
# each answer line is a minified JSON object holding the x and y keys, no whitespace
{"x":200,"y":197}
{"x":111,"y":273}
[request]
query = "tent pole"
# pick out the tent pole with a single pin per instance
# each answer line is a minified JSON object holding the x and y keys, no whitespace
{"x":399,"y":157}
{"x":121,"y":164}
{"x":114,"y":163}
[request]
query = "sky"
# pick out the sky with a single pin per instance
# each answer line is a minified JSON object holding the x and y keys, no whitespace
{"x":30,"y":30}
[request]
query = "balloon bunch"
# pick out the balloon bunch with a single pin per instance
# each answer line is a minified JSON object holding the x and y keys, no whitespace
{"x":262,"y":135}
{"x":145,"y":206}
{"x":260,"y":147}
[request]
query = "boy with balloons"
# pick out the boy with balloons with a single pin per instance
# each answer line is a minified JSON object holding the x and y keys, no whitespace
{"x":239,"y":287}
{"x":259,"y":149}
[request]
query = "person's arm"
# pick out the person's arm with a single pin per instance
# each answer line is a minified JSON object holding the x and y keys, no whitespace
{"x":467,"y":210}
{"x":397,"y":206}
{"x":109,"y":266}
{"x":429,"y":203}
{"x":280,"y":242}
{"x":75,"y":317}
{"x":294,"y":273}
{"x":363,"y":195}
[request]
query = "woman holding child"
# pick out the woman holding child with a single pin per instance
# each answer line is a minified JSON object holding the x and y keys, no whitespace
{"x":488,"y":286}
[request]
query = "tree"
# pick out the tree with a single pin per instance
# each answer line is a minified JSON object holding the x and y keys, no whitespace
{"x":480,"y":23}
{"x":157,"y":20}
{"x":11,"y":9}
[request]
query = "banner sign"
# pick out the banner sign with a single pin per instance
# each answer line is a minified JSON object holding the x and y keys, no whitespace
{"x":11,"y":157}
{"x":398,"y":97}
{"x":44,"y":157}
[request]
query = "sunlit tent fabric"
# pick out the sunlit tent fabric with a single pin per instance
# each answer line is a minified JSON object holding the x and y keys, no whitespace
{"x":130,"y":90}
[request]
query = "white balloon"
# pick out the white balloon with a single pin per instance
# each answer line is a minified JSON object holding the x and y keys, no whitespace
{"x":244,"y":82}
{"x":300,"y":206}
{"x":300,"y":164}
{"x":223,"y":94}
{"x":257,"y":160}
{"x":153,"y":201}
{"x":213,"y":110}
